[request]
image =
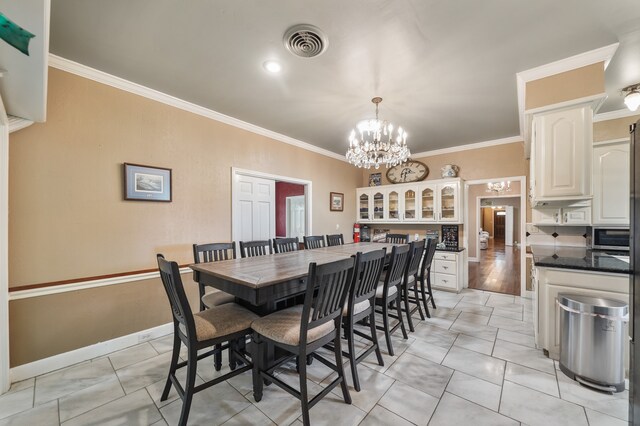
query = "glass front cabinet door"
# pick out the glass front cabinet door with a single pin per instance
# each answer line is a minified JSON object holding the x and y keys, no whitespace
{"x":363,"y":205}
{"x":448,"y":194}
{"x":393,"y":209}
{"x":378,"y":205}
{"x":428,"y":204}
{"x":409,"y":205}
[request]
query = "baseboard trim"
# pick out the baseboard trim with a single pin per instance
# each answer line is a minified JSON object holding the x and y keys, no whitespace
{"x":66,"y":359}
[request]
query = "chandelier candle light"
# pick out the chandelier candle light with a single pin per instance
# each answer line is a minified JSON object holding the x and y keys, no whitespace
{"x":499,"y":187}
{"x":374,"y":143}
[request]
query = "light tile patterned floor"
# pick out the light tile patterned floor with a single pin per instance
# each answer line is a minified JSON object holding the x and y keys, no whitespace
{"x":474,"y":362}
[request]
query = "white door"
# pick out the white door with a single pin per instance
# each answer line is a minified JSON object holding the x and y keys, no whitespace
{"x":254,"y":208}
{"x":611,"y":184}
{"x":4,"y":250}
{"x":295,"y":216}
{"x":508,"y":226}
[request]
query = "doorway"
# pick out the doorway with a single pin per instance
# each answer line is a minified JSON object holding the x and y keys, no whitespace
{"x":494,"y":229}
{"x":266,"y":206}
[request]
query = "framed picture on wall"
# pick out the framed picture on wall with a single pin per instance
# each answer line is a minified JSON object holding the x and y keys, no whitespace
{"x":375,"y":179}
{"x":336,"y":202}
{"x":146,"y":183}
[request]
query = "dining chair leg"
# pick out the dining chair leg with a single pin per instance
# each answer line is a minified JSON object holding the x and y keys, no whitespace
{"x":172,"y":367}
{"x":217,"y":357}
{"x":192,"y":364}
{"x":202,"y":306}
{"x":399,"y":311}
{"x":433,"y":302}
{"x":233,"y":344}
{"x":337,"y":349}
{"x":352,"y":353}
{"x":258,"y":360}
{"x":374,"y":336}
{"x":304,"y":397}
{"x":405,"y":297}
{"x":385,"y":323}
{"x":417,"y":298}
{"x":425,"y":300}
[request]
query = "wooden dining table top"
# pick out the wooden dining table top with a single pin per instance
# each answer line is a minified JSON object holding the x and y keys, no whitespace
{"x":261,"y":271}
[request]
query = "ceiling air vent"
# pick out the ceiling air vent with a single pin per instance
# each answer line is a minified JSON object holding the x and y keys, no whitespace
{"x":305,"y":41}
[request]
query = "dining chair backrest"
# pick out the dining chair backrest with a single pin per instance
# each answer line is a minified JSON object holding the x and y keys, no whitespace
{"x":313,"y":242}
{"x":366,"y":275}
{"x":285,"y":245}
{"x":335,"y":240}
{"x":327,"y":287}
{"x":397,"y":266}
{"x":255,"y":248}
{"x":415,"y":256}
{"x":397,"y":238}
{"x":180,"y":309}
{"x":429,"y":252}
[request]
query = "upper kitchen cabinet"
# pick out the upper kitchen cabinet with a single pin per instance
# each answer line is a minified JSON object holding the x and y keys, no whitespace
{"x":561,"y":154}
{"x":611,"y":183}
{"x":435,"y":201}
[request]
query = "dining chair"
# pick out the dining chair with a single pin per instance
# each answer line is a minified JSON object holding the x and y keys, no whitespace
{"x":285,"y":245}
{"x":388,"y":291}
{"x":303,"y":329}
{"x":224,"y":324}
{"x":416,"y":250}
{"x":424,"y":276}
{"x":335,"y":240}
{"x":360,"y":304}
{"x":313,"y":242}
{"x":255,"y":248}
{"x":214,"y":252}
{"x":397,"y":238}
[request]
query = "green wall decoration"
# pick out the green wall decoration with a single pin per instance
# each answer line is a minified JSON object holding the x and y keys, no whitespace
{"x":14,"y":34}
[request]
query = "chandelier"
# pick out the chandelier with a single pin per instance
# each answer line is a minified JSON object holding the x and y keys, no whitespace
{"x":499,"y":187}
{"x":375,"y":143}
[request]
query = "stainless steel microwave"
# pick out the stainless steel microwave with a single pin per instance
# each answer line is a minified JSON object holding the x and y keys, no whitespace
{"x":610,"y":238}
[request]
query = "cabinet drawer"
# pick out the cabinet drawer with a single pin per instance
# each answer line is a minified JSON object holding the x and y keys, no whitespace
{"x":446,"y":281}
{"x":445,"y":266}
{"x":439,"y":255}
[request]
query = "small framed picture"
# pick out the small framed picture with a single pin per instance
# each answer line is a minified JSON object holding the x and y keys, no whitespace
{"x":146,"y":183}
{"x":375,"y":179}
{"x":336,"y":202}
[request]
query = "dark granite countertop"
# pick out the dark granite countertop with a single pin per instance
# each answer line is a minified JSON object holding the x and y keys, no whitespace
{"x":580,"y":258}
{"x":455,"y":250}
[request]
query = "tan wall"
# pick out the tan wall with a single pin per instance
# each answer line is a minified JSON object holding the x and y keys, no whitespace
{"x":482,"y":163}
{"x":613,"y":129}
{"x":574,"y":84}
{"x":487,"y":220}
{"x":68,"y":220}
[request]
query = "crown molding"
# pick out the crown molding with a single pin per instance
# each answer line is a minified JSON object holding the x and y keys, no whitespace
{"x":467,"y":147}
{"x":146,"y":92}
{"x":603,"y":54}
{"x":17,"y":123}
{"x":613,"y":115}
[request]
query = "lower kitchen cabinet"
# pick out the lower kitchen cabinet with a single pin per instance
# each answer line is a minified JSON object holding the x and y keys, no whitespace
{"x":448,"y":271}
{"x":549,"y":282}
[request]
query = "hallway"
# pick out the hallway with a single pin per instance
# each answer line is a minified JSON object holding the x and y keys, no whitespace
{"x":498,"y":269}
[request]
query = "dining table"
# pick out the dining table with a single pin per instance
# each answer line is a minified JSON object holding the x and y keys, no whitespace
{"x":262,"y":283}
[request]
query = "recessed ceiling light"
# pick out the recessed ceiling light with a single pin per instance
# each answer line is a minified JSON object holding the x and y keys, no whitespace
{"x":272,"y":66}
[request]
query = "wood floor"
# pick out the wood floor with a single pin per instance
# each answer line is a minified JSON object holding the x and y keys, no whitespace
{"x":498,"y":269}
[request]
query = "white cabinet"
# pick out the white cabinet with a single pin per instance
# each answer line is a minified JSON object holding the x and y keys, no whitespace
{"x":437,"y":201}
{"x":561,"y":155}
{"x":573,"y":215}
{"x":448,"y":270}
{"x":611,"y":177}
{"x":550,"y":282}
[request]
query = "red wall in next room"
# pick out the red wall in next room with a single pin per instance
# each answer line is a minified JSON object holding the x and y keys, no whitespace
{"x":284,"y":190}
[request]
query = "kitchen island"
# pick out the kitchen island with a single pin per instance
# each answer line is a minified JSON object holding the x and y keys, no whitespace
{"x":572,"y":270}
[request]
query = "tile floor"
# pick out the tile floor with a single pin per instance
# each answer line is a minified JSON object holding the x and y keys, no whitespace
{"x":473,"y":362}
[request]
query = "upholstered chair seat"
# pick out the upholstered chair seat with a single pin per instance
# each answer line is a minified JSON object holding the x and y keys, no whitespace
{"x":222,"y":320}
{"x":357,"y":308}
{"x":284,"y":327}
{"x":217,"y":298}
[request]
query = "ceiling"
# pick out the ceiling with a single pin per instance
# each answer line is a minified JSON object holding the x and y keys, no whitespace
{"x":445,"y":69}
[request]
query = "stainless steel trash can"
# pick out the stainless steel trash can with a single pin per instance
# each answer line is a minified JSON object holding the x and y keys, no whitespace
{"x":592,"y":336}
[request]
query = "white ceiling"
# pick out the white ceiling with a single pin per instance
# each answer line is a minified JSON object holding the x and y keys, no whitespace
{"x":445,"y":68}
